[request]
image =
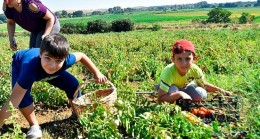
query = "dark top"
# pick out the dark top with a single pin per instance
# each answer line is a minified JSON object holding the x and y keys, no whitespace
{"x":28,"y":19}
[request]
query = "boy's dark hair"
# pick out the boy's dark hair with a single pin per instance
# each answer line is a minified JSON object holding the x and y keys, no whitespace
{"x":56,"y":45}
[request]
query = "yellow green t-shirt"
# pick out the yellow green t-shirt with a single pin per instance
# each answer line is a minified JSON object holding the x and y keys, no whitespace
{"x":170,"y":76}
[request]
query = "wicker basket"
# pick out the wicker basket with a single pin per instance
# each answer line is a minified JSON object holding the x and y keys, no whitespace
{"x":105,"y":97}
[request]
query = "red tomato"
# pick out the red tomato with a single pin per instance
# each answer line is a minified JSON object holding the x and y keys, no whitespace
{"x":210,"y":112}
{"x":194,"y":111}
{"x":201,"y":114}
{"x":203,"y":109}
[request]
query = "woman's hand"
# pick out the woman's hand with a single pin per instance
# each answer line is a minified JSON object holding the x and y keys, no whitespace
{"x":43,"y":36}
{"x":13,"y":45}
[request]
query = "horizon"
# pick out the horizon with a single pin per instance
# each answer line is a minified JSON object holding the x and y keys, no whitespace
{"x":85,"y":5}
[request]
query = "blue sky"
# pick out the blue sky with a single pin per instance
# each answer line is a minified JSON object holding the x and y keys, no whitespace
{"x":56,"y":5}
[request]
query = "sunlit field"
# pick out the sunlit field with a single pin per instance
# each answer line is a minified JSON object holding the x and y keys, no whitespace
{"x":134,"y":60}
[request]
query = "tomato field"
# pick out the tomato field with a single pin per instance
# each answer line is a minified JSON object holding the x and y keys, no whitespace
{"x":133,"y":61}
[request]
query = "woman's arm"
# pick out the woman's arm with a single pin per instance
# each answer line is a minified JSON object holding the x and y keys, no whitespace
{"x":49,"y":17}
{"x":11,"y":31}
{"x":100,"y":78}
{"x":15,"y":98}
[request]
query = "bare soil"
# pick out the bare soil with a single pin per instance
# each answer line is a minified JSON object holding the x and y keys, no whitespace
{"x":56,"y":122}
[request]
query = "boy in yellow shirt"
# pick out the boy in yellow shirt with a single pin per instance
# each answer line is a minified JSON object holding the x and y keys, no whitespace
{"x":182,"y":78}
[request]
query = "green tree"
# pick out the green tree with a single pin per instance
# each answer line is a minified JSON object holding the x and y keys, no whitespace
{"x":58,"y":14}
{"x":257,"y":3}
{"x":64,"y":13}
{"x":78,"y":14}
{"x":246,"y":18}
{"x":98,"y":26}
{"x":96,"y":13}
{"x":116,"y":10}
{"x":219,"y":15}
{"x":122,"y":25}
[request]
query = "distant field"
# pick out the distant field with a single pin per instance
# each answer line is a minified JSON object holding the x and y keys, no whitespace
{"x":182,"y":16}
{"x":149,"y":17}
{"x":139,"y":17}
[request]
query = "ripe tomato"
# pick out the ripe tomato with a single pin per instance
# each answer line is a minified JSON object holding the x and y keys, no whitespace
{"x":201,"y":114}
{"x":210,"y":112}
{"x":194,"y":111}
{"x":203,"y":109}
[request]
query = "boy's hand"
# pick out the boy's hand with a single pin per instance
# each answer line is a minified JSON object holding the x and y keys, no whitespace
{"x":227,"y":93}
{"x":185,"y":96}
{"x":100,"y":78}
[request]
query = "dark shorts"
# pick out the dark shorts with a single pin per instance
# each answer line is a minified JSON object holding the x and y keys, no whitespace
{"x":65,"y":81}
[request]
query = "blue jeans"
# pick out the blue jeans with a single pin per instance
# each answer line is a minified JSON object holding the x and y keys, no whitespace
{"x":36,"y":38}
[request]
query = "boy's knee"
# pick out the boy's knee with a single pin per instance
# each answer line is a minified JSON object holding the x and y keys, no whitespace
{"x":197,"y":93}
{"x":202,"y":94}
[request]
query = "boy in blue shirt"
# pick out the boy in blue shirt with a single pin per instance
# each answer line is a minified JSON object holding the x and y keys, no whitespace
{"x":47,"y":63}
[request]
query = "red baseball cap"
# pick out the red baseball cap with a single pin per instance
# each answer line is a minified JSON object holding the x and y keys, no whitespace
{"x":184,"y":45}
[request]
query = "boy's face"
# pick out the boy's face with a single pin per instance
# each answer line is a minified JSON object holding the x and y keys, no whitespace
{"x":183,"y":61}
{"x":50,"y":64}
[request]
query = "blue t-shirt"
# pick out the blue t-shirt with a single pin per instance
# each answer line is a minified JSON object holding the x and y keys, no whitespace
{"x":30,"y":70}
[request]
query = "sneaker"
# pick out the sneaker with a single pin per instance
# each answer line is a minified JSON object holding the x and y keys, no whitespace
{"x":34,"y":132}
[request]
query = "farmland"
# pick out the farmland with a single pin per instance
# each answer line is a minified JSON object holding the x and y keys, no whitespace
{"x":177,"y":17}
{"x":134,"y":60}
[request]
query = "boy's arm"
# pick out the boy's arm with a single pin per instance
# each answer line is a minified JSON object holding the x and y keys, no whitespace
{"x":171,"y":97}
{"x":15,"y":98}
{"x":212,"y":88}
{"x":99,"y":77}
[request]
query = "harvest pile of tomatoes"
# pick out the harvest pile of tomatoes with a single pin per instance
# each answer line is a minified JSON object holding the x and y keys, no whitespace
{"x":202,"y":112}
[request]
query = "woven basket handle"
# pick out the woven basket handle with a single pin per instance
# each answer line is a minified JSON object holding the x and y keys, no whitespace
{"x":88,"y":81}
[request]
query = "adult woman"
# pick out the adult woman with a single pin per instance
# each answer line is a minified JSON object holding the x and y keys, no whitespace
{"x":32,"y":16}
